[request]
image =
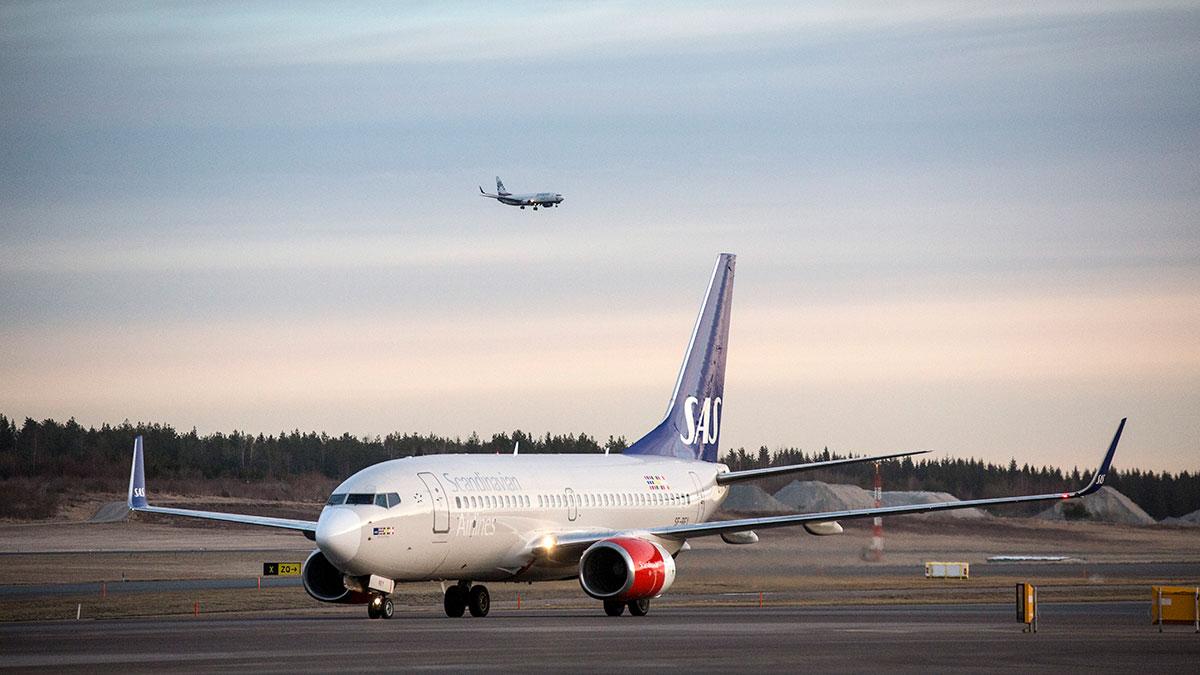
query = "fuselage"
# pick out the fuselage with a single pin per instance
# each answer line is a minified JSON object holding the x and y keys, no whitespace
{"x":534,"y":199}
{"x":476,"y":516}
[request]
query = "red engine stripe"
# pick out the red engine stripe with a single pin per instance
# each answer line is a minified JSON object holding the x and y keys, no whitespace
{"x":649,"y":573}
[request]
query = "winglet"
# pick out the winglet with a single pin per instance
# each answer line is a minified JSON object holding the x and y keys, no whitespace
{"x":1102,"y":472}
{"x":137,"y":478}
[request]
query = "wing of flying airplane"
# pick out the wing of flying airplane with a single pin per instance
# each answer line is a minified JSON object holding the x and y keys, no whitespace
{"x":137,"y":502}
{"x":564,"y":545}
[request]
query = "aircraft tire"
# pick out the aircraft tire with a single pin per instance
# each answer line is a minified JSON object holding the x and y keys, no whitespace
{"x":481,"y":601}
{"x":372,"y":611}
{"x":639,"y":607}
{"x":388,"y":610}
{"x":455,"y":602}
{"x":614,"y":607}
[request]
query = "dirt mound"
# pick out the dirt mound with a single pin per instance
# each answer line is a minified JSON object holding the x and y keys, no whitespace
{"x":900,"y":498}
{"x":1106,"y":506}
{"x":1190,"y":520}
{"x":752,"y":499}
{"x":807,"y":496}
{"x":810,"y":496}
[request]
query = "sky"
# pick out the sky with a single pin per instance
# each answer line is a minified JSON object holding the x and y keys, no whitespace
{"x":971,"y":228}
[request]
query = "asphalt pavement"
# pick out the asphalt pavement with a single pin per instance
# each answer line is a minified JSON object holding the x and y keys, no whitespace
{"x":1105,"y":637}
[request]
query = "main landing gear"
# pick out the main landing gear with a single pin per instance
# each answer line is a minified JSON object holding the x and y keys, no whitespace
{"x":381,"y":607}
{"x":463,"y":596}
{"x":636,"y":607}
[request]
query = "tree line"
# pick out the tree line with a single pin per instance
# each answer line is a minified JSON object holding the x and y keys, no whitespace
{"x":97,"y":459}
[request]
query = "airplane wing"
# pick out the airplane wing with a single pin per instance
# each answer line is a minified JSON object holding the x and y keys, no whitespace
{"x":752,"y":474}
{"x":137,"y":502}
{"x":486,"y":194}
{"x":569,"y":543}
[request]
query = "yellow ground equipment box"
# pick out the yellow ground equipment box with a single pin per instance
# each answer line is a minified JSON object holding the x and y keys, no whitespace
{"x":1175,"y":604}
{"x":1025,"y":604}
{"x":947,"y":570}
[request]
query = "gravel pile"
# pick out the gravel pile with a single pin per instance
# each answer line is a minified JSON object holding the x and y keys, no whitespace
{"x":806,"y":496}
{"x":1190,"y":520}
{"x":745,"y":498}
{"x":811,"y":495}
{"x":923,"y":497}
{"x":1105,"y":506}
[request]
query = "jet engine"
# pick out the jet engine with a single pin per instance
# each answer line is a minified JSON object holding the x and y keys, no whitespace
{"x":324,"y":582}
{"x":625,"y":568}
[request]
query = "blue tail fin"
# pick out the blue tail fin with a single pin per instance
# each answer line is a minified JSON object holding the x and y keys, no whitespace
{"x":692,"y":426}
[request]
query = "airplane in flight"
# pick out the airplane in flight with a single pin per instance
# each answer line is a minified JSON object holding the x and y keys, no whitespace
{"x":614,"y":522}
{"x":546,"y":199}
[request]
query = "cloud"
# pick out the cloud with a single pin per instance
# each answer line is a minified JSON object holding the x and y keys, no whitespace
{"x":262,"y":214}
{"x":276,"y":34}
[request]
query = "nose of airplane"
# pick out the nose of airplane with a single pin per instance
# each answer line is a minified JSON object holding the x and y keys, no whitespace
{"x":338,"y":534}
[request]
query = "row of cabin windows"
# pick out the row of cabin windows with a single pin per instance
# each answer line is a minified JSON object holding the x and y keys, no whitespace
{"x":386,"y":500}
{"x":563,"y":500}
{"x":493,"y":502}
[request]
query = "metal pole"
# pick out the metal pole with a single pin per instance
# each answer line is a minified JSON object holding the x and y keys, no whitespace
{"x":1197,"y":608}
{"x":1159,"y":609}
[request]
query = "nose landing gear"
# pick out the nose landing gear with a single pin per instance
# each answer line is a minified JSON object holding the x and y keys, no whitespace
{"x":463,"y":596}
{"x":381,"y":607}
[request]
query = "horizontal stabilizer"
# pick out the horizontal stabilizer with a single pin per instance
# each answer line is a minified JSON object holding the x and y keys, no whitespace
{"x":772,"y":471}
{"x":137,"y":501}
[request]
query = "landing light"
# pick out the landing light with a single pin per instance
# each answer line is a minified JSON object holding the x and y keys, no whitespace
{"x":548,"y":542}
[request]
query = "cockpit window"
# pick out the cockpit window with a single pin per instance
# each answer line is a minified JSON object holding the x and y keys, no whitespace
{"x":388,"y":500}
{"x":336,"y":499}
{"x":359,"y":498}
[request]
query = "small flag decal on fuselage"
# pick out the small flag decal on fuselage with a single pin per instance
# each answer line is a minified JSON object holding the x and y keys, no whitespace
{"x":383,"y":531}
{"x":656,"y":482}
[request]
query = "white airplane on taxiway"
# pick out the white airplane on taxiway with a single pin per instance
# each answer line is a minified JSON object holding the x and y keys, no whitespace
{"x":614,"y":522}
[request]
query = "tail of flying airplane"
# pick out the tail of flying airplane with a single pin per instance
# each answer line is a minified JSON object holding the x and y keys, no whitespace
{"x":692,"y":426}
{"x":500,"y":187}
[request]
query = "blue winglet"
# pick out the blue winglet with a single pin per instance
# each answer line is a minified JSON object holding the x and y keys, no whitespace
{"x":137,"y":478}
{"x":1102,"y":472}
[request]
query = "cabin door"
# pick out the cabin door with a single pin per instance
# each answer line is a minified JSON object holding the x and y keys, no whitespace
{"x":441,"y":503}
{"x":699,"y":497}
{"x":572,"y":505}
